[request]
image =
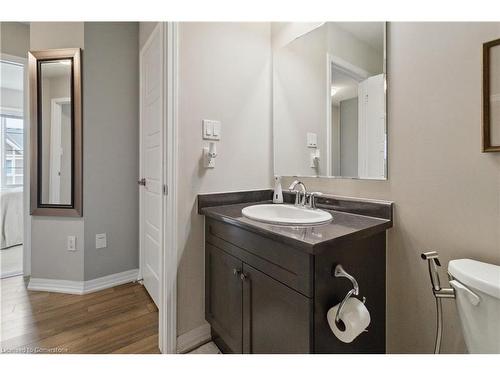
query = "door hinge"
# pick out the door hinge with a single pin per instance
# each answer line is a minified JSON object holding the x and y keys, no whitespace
{"x":165,"y":190}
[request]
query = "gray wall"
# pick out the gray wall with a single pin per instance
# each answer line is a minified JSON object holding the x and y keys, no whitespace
{"x":446,"y":191}
{"x":15,"y":38}
{"x":49,"y":257}
{"x":111,"y":146}
{"x":110,"y":165}
{"x":225,"y":74}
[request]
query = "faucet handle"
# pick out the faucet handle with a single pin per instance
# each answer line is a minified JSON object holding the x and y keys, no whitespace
{"x":312,"y":199}
{"x":293,"y":184}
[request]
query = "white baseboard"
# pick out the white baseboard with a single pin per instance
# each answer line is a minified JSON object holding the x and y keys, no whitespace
{"x":10,"y":274}
{"x":194,"y":338}
{"x":110,"y":281}
{"x":82,"y":287}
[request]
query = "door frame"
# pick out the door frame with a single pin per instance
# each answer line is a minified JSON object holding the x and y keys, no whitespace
{"x":26,"y":164}
{"x":355,"y":72}
{"x":167,"y":308}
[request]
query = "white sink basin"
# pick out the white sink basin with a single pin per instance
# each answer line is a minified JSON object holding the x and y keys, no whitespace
{"x":286,"y":214}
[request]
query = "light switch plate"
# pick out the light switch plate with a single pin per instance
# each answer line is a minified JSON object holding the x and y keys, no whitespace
{"x":312,"y":140}
{"x":71,"y":243}
{"x":211,"y":130}
{"x":100,"y":241}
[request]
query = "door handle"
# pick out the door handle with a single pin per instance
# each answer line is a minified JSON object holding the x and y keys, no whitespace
{"x":142,"y":182}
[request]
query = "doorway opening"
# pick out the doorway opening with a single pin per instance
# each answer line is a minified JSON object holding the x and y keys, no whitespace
{"x":12,"y":166}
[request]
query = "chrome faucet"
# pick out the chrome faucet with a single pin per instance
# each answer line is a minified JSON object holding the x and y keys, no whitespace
{"x":312,"y":199}
{"x":298,"y":199}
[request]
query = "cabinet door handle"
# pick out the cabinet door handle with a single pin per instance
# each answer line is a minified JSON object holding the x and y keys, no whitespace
{"x":243,"y":276}
{"x":236,"y":271}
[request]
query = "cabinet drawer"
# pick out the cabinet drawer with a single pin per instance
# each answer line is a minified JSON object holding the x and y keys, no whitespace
{"x":285,"y":264}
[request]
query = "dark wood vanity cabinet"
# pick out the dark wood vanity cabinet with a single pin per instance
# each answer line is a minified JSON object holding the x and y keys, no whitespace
{"x":263,"y":296}
{"x":250,"y":312}
{"x":268,"y":288}
{"x":224,"y":307}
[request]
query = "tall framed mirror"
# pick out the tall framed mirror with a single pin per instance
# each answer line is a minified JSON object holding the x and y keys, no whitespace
{"x":329,"y":102}
{"x":56,"y":132}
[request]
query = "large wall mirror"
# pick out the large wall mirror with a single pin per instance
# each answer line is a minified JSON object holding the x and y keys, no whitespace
{"x":329,"y":102}
{"x":56,"y":132}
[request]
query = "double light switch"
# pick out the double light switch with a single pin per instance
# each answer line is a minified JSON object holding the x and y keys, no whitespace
{"x":211,"y":130}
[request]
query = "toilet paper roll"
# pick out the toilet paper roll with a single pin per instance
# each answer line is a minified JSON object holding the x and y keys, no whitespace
{"x":355,"y":317}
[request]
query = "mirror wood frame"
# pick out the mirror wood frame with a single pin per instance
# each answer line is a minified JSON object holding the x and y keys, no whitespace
{"x":37,"y":208}
{"x":487,"y":146}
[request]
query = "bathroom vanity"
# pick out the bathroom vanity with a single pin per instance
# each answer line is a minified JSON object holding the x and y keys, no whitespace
{"x":268,"y":288}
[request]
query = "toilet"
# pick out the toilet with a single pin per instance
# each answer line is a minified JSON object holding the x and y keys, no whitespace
{"x":477,"y":289}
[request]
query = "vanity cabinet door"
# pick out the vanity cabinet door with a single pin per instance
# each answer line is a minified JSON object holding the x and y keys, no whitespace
{"x":223,"y":293}
{"x":276,"y":319}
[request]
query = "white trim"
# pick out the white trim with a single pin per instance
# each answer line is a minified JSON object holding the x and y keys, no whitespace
{"x":26,"y":171}
{"x":10,"y":274}
{"x":329,"y":137}
{"x":109,"y":281}
{"x":56,"y":286}
{"x":83,"y":287}
{"x":168,"y":287}
{"x":194,"y":338}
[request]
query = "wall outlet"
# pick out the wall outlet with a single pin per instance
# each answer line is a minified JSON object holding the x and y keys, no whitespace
{"x":71,"y":243}
{"x":100,"y":241}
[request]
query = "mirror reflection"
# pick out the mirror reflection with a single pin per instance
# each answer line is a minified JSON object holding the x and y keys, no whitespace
{"x":329,"y":102}
{"x":494,"y":86}
{"x":56,"y":139}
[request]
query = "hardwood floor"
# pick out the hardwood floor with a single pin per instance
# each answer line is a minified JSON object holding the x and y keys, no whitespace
{"x":122,"y":319}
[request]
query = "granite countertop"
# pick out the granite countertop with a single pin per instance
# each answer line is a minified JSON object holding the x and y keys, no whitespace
{"x":344,"y":226}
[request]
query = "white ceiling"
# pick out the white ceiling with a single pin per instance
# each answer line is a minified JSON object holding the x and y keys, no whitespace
{"x":11,"y":76}
{"x":372,"y":33}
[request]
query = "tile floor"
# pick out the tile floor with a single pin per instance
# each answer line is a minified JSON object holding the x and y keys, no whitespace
{"x":208,"y":348}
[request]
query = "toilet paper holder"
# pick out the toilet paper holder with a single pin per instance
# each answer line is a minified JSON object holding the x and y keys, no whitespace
{"x":341,"y":272}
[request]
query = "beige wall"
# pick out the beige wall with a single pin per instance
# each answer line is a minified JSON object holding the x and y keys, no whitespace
{"x":225,"y":74}
{"x":299,"y":103}
{"x":447,"y":193}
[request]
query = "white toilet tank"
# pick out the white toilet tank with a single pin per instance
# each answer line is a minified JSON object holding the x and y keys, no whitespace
{"x":477,"y":289}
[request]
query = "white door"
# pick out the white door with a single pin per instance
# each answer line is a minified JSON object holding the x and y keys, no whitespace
{"x":371,"y":128}
{"x":151,"y":165}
